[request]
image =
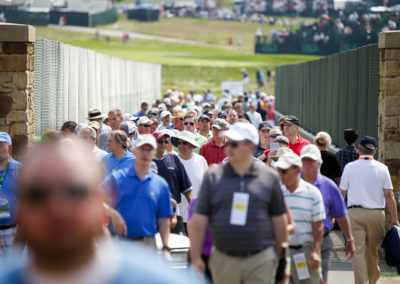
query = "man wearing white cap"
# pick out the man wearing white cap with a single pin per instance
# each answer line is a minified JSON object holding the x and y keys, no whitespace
{"x":334,"y":205}
{"x":242,"y":201}
{"x":307,"y":207}
{"x":165,"y":118}
{"x":195,"y":165}
{"x":142,"y":197}
{"x":143,"y":124}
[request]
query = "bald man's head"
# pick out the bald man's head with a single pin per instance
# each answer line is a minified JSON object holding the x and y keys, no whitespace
{"x":60,"y":202}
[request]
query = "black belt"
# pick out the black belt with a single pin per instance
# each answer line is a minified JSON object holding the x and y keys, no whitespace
{"x":296,"y":247}
{"x":359,"y":206}
{"x":5,"y":227}
{"x":242,"y":254}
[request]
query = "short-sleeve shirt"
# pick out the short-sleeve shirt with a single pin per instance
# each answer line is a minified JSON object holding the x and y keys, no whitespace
{"x":307,"y":206}
{"x":173,"y":171}
{"x":346,"y":155}
{"x":333,"y":200}
{"x":212,"y":152}
{"x":298,"y":145}
{"x":330,"y":165}
{"x":140,"y":202}
{"x":219,"y":185}
{"x":9,"y":190}
{"x":111,"y":163}
{"x":364,"y":181}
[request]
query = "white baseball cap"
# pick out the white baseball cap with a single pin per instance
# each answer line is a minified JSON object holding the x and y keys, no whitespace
{"x":143,"y":120}
{"x":165,"y":113}
{"x":144,"y":139}
{"x":241,"y":131}
{"x":287,"y":160}
{"x":312,"y":152}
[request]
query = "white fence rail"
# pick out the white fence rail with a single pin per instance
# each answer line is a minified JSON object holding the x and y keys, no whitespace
{"x":70,"y":80}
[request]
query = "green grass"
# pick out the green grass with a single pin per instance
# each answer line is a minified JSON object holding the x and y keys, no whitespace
{"x":204,"y":31}
{"x":185,"y":66}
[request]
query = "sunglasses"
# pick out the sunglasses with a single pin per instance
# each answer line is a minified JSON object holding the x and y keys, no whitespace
{"x":163,"y":142}
{"x":285,"y":171}
{"x":232,"y":144}
{"x":183,"y":143}
{"x":145,"y":125}
{"x":189,"y":123}
{"x":274,"y":135}
{"x":41,"y":194}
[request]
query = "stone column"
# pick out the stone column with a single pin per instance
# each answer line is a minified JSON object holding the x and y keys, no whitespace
{"x":16,"y":83}
{"x":389,"y":105}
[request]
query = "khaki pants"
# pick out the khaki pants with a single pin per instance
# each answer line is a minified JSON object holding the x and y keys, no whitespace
{"x":315,"y":274}
{"x":256,"y":269}
{"x":368,"y":229}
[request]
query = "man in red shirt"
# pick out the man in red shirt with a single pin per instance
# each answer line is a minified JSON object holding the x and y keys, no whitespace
{"x":291,"y":126}
{"x":214,"y":150}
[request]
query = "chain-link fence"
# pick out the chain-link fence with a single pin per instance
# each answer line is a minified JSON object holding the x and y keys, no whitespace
{"x":69,"y":80}
{"x":333,"y":93}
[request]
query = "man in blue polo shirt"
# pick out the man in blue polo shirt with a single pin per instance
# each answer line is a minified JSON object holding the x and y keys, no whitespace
{"x":119,"y":157}
{"x":142,"y":197}
{"x":8,"y":198}
{"x":334,"y":205}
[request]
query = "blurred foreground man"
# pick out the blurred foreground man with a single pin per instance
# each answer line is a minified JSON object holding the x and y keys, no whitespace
{"x":368,"y":185}
{"x":243,"y":203}
{"x":60,"y":215}
{"x":8,"y":195}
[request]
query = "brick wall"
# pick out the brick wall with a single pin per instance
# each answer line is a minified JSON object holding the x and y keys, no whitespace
{"x":17,"y":84}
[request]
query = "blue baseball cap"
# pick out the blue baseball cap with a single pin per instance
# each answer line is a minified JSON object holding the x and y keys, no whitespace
{"x":222,"y":113}
{"x":368,"y":142}
{"x":4,"y":137}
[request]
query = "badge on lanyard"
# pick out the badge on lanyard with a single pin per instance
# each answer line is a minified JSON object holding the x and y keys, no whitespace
{"x":301,"y":266}
{"x":240,"y":204}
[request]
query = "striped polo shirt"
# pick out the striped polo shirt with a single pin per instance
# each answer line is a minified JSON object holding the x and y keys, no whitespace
{"x":307,"y":206}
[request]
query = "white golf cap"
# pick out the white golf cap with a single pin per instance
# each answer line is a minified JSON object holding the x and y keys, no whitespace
{"x":312,"y":152}
{"x":143,"y":120}
{"x":165,"y":113}
{"x":185,"y":136}
{"x":146,"y":139}
{"x":287,"y":160}
{"x":241,"y":131}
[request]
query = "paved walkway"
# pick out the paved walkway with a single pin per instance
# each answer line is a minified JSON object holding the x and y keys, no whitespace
{"x":119,"y":34}
{"x":342,"y":271}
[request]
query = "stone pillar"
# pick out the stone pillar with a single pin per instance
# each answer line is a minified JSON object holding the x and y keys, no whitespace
{"x":16,"y":83}
{"x":389,"y":105}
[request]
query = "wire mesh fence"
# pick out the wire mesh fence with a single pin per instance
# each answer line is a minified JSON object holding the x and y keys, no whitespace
{"x":69,"y":80}
{"x":333,"y":93}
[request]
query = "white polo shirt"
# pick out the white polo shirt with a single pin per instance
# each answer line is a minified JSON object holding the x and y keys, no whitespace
{"x":307,"y":206}
{"x":364,"y":181}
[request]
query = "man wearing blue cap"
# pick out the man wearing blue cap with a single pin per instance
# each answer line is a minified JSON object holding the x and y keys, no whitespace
{"x":367,"y":185}
{"x":8,"y":198}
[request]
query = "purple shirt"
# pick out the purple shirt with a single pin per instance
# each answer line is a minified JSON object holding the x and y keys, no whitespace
{"x":207,"y":245}
{"x":333,"y":200}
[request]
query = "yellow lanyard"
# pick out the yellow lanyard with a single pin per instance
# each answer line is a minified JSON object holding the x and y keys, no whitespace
{"x":365,"y":158}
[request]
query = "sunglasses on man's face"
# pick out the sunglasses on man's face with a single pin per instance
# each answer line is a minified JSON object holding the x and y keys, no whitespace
{"x":183,"y":143}
{"x":163,"y":142}
{"x":41,"y":194}
{"x":274,"y":135}
{"x":285,"y":171}
{"x":189,"y":123}
{"x":232,"y":144}
{"x":145,"y":125}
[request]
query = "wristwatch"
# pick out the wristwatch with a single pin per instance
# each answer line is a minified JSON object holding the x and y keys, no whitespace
{"x":350,"y":240}
{"x":167,"y":248}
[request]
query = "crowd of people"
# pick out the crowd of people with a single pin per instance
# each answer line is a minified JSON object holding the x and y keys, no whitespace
{"x":257,"y":200}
